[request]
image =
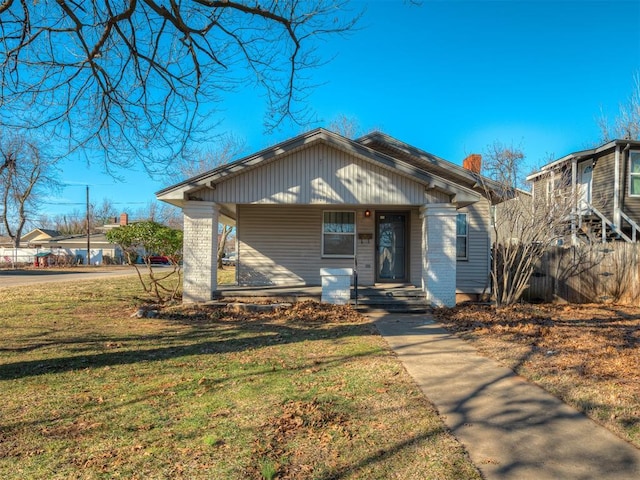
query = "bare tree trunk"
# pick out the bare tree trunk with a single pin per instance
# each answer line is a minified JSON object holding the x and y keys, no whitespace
{"x":226,"y":230}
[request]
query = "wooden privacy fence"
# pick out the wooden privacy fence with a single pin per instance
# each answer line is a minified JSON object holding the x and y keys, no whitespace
{"x":608,"y":272}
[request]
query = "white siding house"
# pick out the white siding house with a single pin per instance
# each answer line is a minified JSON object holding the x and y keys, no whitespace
{"x":320,"y":200}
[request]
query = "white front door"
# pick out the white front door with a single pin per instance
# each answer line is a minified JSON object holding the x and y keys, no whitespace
{"x":585,"y":173}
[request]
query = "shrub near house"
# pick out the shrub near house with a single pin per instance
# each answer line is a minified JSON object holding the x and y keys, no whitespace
{"x":166,"y":245}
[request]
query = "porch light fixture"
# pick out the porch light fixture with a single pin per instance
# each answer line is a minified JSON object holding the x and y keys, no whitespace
{"x":367,"y":213}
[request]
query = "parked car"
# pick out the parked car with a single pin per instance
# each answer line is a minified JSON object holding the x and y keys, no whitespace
{"x":159,"y":260}
{"x":230,"y":258}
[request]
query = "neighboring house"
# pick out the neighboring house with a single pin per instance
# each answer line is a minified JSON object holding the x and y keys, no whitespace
{"x":320,"y":200}
{"x":102,"y":251}
{"x":37,"y":236}
{"x":41,"y":242}
{"x":603,"y":184}
{"x":6,"y":241}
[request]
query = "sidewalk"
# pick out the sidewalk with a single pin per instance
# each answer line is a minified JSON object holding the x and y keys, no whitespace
{"x":512,"y":429}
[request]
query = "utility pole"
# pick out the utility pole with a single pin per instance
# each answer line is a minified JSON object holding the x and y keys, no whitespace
{"x":88,"y":231}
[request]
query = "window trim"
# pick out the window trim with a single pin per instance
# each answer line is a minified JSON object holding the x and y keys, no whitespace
{"x":466,"y":236}
{"x":633,"y":174}
{"x":322,"y":234}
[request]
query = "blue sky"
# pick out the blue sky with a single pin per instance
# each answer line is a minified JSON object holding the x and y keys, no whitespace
{"x":449,"y":77}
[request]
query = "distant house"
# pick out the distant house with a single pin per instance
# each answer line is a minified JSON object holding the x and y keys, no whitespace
{"x":37,"y":236}
{"x":102,"y":251}
{"x":6,"y":242}
{"x":320,"y":200}
{"x":72,"y":248}
{"x":604,"y":184}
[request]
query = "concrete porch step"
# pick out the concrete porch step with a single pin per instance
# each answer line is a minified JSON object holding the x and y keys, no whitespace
{"x":400,"y":299}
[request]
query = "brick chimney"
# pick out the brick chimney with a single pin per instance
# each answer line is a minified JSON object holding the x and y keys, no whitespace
{"x":473,"y":163}
{"x":124,"y":219}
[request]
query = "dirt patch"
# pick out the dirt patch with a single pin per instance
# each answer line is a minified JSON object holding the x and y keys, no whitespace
{"x":588,"y":355}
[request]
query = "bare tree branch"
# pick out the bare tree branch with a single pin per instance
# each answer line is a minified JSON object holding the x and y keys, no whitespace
{"x":26,"y":174}
{"x":626,"y":125}
{"x":524,"y":226}
{"x":130,"y":77}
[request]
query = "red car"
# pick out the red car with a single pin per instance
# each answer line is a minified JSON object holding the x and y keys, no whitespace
{"x":159,"y":260}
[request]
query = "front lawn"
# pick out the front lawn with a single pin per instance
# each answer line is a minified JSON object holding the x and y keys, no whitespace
{"x":90,"y":391}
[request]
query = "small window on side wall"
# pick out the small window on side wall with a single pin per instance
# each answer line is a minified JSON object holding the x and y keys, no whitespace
{"x":462,"y":236}
{"x":338,"y":234}
{"x":634,"y":173}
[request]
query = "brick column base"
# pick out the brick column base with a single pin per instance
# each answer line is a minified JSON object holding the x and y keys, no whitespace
{"x":200,"y":251}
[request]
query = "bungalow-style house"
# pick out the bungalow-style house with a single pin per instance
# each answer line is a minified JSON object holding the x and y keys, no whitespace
{"x":320,"y":200}
{"x":37,"y":236}
{"x":102,"y":251}
{"x":603,"y":185}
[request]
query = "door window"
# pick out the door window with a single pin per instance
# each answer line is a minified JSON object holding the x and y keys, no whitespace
{"x":391,"y":261}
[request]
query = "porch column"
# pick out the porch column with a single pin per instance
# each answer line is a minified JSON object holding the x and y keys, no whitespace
{"x":439,"y":253}
{"x":200,"y":251}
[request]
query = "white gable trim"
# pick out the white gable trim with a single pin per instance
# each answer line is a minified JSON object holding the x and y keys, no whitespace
{"x":179,"y":193}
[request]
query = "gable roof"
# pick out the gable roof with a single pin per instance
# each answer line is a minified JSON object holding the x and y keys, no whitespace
{"x":39,"y":234}
{"x":397,"y":156}
{"x":581,"y":155}
{"x":384,"y":143}
{"x":62,"y":240}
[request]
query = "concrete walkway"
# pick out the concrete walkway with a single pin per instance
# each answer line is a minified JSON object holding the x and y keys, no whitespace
{"x":512,"y":429}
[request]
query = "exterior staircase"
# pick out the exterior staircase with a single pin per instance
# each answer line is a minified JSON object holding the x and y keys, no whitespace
{"x":594,"y":230}
{"x":594,"y":227}
{"x":390,"y":298}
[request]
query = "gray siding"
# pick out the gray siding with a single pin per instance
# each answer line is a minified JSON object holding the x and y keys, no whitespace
{"x":415,"y":248}
{"x":472,"y":275}
{"x":319,"y":175}
{"x":630,"y":205}
{"x":281,"y":245}
{"x":602,"y":183}
{"x":539,"y":188}
{"x":365,"y":249}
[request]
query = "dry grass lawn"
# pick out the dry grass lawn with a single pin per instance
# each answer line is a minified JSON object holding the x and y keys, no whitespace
{"x":587,"y":355}
{"x":90,"y":392}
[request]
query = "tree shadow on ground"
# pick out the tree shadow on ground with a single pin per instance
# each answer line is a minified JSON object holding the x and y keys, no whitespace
{"x":511,"y":427}
{"x":201,"y":333}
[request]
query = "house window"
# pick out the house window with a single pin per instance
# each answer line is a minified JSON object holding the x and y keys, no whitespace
{"x":462,"y":236}
{"x":634,"y":173}
{"x":339,"y":234}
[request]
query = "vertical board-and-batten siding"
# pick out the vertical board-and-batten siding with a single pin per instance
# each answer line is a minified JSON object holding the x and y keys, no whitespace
{"x":319,"y":175}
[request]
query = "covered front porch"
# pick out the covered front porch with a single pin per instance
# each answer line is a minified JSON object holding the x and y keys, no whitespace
{"x":287,"y":246}
{"x":321,"y":201}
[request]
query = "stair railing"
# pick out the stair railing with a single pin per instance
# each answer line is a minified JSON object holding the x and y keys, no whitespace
{"x":634,"y":226}
{"x":606,"y":223}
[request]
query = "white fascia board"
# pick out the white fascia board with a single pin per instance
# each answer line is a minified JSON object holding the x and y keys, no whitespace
{"x":176,"y":194}
{"x":577,"y":156}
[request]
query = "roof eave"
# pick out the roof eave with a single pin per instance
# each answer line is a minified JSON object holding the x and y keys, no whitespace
{"x":177,"y":194}
{"x":580,"y":155}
